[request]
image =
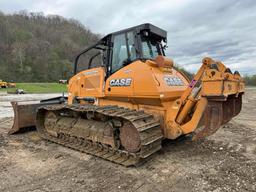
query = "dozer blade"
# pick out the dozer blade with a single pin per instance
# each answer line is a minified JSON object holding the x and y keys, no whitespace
{"x":218,"y":112}
{"x":25,"y":112}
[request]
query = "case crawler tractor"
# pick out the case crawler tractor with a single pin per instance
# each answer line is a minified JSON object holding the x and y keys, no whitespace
{"x":123,"y":108}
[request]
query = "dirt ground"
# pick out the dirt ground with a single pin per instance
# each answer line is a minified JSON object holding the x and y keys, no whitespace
{"x":225,"y":161}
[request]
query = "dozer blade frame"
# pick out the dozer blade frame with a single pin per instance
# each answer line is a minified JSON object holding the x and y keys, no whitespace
{"x":216,"y":114}
{"x":212,"y":99}
{"x":25,"y":112}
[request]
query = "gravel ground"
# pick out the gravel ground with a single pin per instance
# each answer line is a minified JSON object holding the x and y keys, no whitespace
{"x":226,"y":161}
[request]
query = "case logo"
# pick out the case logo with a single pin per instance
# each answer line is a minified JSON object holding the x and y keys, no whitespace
{"x":120,"y":82}
{"x":173,"y":81}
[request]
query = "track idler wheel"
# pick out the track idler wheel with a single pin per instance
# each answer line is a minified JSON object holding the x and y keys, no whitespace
{"x":130,"y":138}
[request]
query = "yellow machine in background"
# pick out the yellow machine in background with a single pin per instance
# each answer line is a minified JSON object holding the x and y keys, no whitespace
{"x":3,"y":84}
{"x":123,"y":108}
{"x":11,"y":85}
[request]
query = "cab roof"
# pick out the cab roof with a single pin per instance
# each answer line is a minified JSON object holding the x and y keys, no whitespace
{"x":156,"y":31}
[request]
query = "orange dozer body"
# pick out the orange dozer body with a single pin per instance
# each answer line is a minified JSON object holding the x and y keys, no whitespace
{"x":198,"y":107}
{"x":121,"y":109}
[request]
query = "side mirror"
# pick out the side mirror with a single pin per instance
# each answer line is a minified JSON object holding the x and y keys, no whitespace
{"x":165,"y":46}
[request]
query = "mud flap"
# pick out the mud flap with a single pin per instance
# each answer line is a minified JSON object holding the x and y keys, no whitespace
{"x":217,"y":113}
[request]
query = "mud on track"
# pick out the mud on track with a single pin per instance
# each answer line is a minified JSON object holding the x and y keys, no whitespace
{"x":225,"y":161}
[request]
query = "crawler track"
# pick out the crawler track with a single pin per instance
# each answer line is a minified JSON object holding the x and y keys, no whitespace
{"x":147,"y":126}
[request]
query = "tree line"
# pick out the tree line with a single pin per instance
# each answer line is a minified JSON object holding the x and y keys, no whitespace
{"x":250,"y":80}
{"x":39,"y":48}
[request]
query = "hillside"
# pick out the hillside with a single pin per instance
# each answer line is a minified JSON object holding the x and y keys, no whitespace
{"x":38,"y":48}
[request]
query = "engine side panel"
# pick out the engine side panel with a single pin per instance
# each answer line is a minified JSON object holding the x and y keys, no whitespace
{"x":142,"y":80}
{"x":88,"y":83}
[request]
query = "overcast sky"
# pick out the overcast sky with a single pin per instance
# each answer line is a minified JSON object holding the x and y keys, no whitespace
{"x":224,"y":30}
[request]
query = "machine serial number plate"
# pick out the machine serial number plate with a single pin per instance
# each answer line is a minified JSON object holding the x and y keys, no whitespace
{"x":173,"y":81}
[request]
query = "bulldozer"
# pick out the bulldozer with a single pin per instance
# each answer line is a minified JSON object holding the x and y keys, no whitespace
{"x":3,"y":84}
{"x":124,"y":107}
{"x":11,"y":84}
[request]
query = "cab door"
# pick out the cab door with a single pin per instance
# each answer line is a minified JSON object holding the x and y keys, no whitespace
{"x":120,"y":83}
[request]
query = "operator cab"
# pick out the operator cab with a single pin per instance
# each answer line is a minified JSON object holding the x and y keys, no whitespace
{"x":121,"y":48}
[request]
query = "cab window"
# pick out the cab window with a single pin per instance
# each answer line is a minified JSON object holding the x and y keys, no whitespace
{"x":119,"y":52}
{"x":131,"y":45}
{"x":123,"y":50}
{"x":150,"y":48}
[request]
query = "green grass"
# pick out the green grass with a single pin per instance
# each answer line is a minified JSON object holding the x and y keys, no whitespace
{"x":38,"y":88}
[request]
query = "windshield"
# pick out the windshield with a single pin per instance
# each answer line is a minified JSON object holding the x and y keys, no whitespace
{"x":150,"y":49}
